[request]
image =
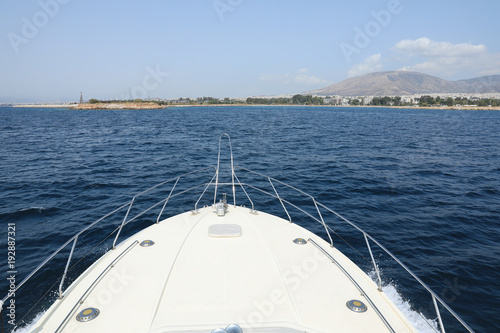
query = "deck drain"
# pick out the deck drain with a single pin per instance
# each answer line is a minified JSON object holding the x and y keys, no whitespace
{"x":356,"y":306}
{"x":300,"y":241}
{"x":147,"y":243}
{"x":87,"y":314}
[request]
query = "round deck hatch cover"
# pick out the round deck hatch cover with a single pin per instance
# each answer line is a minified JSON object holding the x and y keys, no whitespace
{"x":300,"y":241}
{"x":147,"y":243}
{"x":356,"y":306}
{"x":87,"y":314}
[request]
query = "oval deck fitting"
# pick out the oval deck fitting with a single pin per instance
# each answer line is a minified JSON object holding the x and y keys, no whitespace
{"x":147,"y":243}
{"x":356,"y":306}
{"x":87,"y":314}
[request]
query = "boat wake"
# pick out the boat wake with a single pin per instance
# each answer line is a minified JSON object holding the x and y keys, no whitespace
{"x":417,"y":319}
{"x":30,"y":326}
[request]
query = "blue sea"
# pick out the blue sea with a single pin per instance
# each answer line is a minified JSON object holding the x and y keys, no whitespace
{"x":424,"y":183}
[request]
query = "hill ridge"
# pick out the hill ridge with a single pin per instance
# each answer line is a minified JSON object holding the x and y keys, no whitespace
{"x":393,"y":83}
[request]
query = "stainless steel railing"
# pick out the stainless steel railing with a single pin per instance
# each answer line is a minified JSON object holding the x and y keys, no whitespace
{"x":124,"y":222}
{"x":315,"y":214}
{"x":435,"y":298}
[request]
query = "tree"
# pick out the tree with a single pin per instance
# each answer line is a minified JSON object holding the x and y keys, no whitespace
{"x":94,"y":101}
{"x":449,"y":101}
{"x":297,"y":99}
{"x":427,"y":100}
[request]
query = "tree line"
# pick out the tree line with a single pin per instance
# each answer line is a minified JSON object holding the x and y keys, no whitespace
{"x":428,"y":100}
{"x":450,"y":101}
{"x":298,"y":99}
{"x":295,"y":100}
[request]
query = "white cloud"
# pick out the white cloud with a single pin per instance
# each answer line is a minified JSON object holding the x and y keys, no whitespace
{"x":371,"y":64}
{"x":302,"y":77}
{"x":448,"y":59}
{"x":428,"y":48}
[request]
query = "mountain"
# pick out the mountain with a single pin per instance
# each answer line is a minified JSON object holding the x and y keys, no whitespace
{"x":407,"y":83}
{"x":483,"y":84}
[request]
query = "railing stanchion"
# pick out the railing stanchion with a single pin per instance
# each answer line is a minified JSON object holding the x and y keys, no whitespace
{"x":282,"y":204}
{"x":163,"y":208}
{"x":123,"y":222}
{"x":374,"y":263}
{"x":323,"y":221}
{"x":248,"y":197}
{"x":195,"y":211}
{"x":67,"y":266}
{"x":438,"y":314}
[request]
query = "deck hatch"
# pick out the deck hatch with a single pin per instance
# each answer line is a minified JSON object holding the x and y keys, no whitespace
{"x":224,"y":230}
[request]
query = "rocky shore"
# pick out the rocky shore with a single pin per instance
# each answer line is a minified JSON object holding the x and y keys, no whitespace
{"x":118,"y":106}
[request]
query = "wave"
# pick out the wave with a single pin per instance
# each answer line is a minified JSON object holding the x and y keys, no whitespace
{"x":36,"y":210}
{"x":416,"y":318}
{"x":97,"y":185}
{"x":30,"y":326}
{"x":24,"y":212}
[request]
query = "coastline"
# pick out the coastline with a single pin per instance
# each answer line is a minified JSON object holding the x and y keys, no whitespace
{"x":43,"y":105}
{"x":152,"y":106}
{"x":120,"y":106}
{"x":416,"y":107}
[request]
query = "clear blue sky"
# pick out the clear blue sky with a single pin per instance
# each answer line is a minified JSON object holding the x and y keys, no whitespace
{"x":53,"y":49}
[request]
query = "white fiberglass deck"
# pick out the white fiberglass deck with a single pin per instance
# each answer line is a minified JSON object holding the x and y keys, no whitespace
{"x":206,"y":271}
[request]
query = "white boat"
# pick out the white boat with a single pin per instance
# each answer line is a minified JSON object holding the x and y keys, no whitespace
{"x":228,"y":268}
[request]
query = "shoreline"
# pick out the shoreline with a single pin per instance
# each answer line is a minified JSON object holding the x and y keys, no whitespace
{"x":464,"y":108}
{"x":42,"y":105}
{"x":154,"y":106}
{"x":118,"y":106}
